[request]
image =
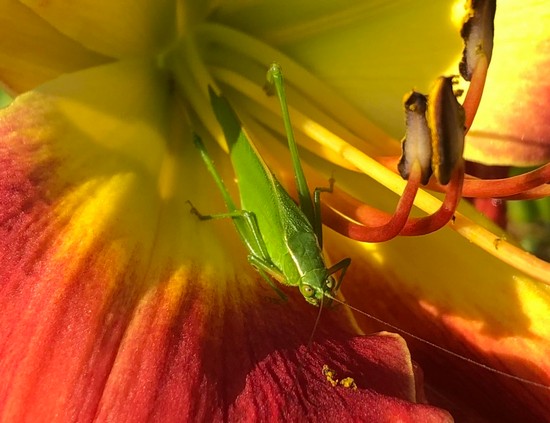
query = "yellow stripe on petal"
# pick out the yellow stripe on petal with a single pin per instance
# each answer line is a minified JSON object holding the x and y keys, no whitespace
{"x":115,"y":140}
{"x":33,"y":52}
{"x":537,"y":305}
{"x":114,"y":28}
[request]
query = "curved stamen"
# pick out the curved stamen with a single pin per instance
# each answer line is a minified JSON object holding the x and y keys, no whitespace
{"x":532,"y":194}
{"x":372,"y":229}
{"x":475,"y":91}
{"x":446,"y":122}
{"x":527,"y":186}
{"x":437,"y":145}
{"x":376,"y":226}
{"x":506,"y":187}
{"x":435,"y":221}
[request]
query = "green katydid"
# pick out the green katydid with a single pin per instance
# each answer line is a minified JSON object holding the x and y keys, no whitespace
{"x":284,"y":240}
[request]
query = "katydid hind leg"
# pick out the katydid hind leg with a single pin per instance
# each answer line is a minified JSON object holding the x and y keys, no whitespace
{"x":275,"y":77}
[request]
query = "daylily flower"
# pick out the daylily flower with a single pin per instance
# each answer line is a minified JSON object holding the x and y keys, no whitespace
{"x":119,"y":304}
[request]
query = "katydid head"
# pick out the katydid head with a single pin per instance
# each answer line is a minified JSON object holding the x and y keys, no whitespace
{"x":315,"y":285}
{"x":319,"y":283}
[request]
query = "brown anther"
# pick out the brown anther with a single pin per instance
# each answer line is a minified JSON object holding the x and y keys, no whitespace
{"x":417,"y":143}
{"x":458,"y":93}
{"x":477,"y":32}
{"x":446,"y":121}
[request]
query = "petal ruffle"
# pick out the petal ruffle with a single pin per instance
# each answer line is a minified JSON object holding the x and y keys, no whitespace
{"x":32,"y":52}
{"x":512,"y":125}
{"x":115,"y":29}
{"x":373,"y":361}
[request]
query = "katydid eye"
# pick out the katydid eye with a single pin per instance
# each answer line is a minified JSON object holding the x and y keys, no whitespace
{"x":329,"y":284}
{"x":307,"y":291}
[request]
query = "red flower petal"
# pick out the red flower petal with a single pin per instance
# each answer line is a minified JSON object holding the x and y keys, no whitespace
{"x":374,"y":362}
{"x":512,"y":125}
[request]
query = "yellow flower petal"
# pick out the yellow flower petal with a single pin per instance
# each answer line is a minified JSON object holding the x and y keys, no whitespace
{"x":512,"y":124}
{"x":32,"y":51}
{"x":113,"y":28}
{"x":378,"y":50}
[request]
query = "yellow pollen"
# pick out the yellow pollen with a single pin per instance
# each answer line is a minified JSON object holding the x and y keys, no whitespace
{"x":330,"y":375}
{"x":349,"y":383}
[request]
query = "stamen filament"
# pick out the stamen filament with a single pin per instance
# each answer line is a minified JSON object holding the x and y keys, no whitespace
{"x":532,"y":194}
{"x":367,"y":232}
{"x":194,"y":80}
{"x":475,"y":91}
{"x":527,"y":186}
{"x":438,"y":219}
{"x":506,"y":187}
{"x":373,"y":220}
